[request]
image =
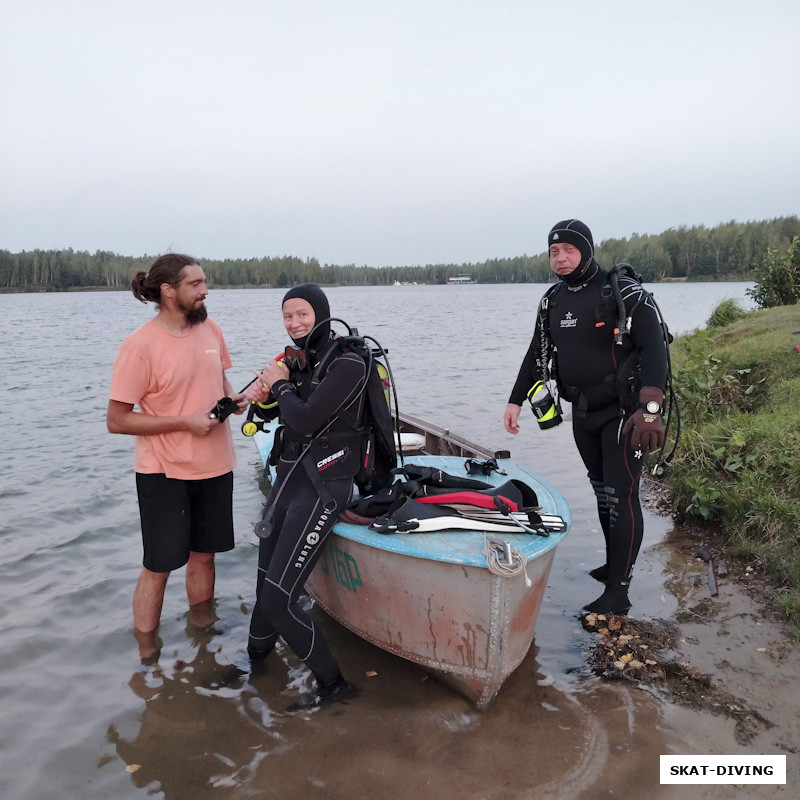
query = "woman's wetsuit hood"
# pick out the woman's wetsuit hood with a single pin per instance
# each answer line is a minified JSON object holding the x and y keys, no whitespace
{"x":316,"y":298}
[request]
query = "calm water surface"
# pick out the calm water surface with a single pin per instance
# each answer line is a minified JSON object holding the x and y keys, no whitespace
{"x":80,"y":717}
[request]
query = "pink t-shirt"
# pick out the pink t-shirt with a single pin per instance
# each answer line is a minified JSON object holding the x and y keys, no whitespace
{"x":168,"y":375}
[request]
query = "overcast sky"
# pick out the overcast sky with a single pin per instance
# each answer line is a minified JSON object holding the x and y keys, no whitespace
{"x":402,"y":133}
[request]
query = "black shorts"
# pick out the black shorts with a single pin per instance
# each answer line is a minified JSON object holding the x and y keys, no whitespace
{"x":180,"y":516}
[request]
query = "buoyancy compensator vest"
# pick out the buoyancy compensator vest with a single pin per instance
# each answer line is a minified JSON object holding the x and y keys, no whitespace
{"x":622,"y":386}
{"x":359,"y":440}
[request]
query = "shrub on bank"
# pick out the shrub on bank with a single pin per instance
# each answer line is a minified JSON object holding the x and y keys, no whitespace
{"x":738,"y":464}
{"x":778,"y":278}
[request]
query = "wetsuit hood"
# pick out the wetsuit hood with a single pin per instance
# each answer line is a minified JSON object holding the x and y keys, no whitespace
{"x":316,"y":298}
{"x":576,"y":233}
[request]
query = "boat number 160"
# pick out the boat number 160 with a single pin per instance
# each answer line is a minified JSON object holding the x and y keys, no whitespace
{"x":345,"y":568}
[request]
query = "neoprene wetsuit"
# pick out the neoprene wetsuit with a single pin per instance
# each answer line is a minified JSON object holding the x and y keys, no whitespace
{"x":301,"y":521}
{"x":587,"y":363}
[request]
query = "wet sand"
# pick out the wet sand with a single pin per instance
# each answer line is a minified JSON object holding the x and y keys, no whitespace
{"x":408,"y":737}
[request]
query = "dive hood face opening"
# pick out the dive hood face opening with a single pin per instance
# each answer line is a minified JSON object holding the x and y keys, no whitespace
{"x":318,"y":301}
{"x":576,"y":233}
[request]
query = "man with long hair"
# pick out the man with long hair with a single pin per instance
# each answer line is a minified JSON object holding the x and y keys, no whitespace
{"x":173,"y":369}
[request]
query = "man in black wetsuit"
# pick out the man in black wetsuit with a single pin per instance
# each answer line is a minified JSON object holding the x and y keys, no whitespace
{"x":308,"y":494}
{"x":574,"y":343}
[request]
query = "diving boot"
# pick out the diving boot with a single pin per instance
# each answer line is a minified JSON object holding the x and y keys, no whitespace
{"x":257,"y":656}
{"x":340,"y":691}
{"x":599,"y":573}
{"x":259,"y":647}
{"x":614,"y":599}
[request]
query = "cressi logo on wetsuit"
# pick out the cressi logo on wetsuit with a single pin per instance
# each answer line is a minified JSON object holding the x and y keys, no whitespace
{"x":332,"y":459}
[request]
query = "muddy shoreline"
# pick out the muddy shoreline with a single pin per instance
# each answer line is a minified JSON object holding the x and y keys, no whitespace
{"x":723,"y":652}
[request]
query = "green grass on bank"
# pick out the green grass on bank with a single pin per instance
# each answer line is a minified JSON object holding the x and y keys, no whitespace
{"x":738,"y":463}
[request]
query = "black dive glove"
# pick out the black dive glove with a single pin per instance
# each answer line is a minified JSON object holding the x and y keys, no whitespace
{"x":645,"y":422}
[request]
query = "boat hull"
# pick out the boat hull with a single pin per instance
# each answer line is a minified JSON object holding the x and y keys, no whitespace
{"x":466,"y":625}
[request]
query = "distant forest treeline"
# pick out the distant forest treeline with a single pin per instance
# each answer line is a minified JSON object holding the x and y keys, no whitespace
{"x":730,"y":251}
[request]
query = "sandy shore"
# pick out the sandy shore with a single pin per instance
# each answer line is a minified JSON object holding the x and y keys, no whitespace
{"x":737,"y":667}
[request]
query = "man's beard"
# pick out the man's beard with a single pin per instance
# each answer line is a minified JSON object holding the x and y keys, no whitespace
{"x":196,"y":314}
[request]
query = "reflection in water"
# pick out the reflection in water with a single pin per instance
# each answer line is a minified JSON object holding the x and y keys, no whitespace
{"x":184,"y":744}
{"x":202,"y":616}
{"x":150,"y":645}
{"x":207,"y":725}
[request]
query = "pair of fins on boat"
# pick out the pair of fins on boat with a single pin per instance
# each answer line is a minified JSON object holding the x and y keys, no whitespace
{"x":430,"y":499}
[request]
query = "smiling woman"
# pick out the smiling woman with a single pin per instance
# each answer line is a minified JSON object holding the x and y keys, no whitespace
{"x":305,"y":502}
{"x":298,"y":317}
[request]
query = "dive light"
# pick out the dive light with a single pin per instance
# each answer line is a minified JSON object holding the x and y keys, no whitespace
{"x":544,"y":406}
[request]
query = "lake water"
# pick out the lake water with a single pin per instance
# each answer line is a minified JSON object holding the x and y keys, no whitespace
{"x":80,"y":716}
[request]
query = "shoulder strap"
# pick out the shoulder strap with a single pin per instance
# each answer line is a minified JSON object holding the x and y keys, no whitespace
{"x":547,"y":301}
{"x":330,"y":351}
{"x":545,"y":340}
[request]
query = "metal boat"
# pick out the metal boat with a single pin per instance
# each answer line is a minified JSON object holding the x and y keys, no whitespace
{"x":462,"y":604}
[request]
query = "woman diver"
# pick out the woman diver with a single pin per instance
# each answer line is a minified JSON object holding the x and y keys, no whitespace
{"x":316,"y":459}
